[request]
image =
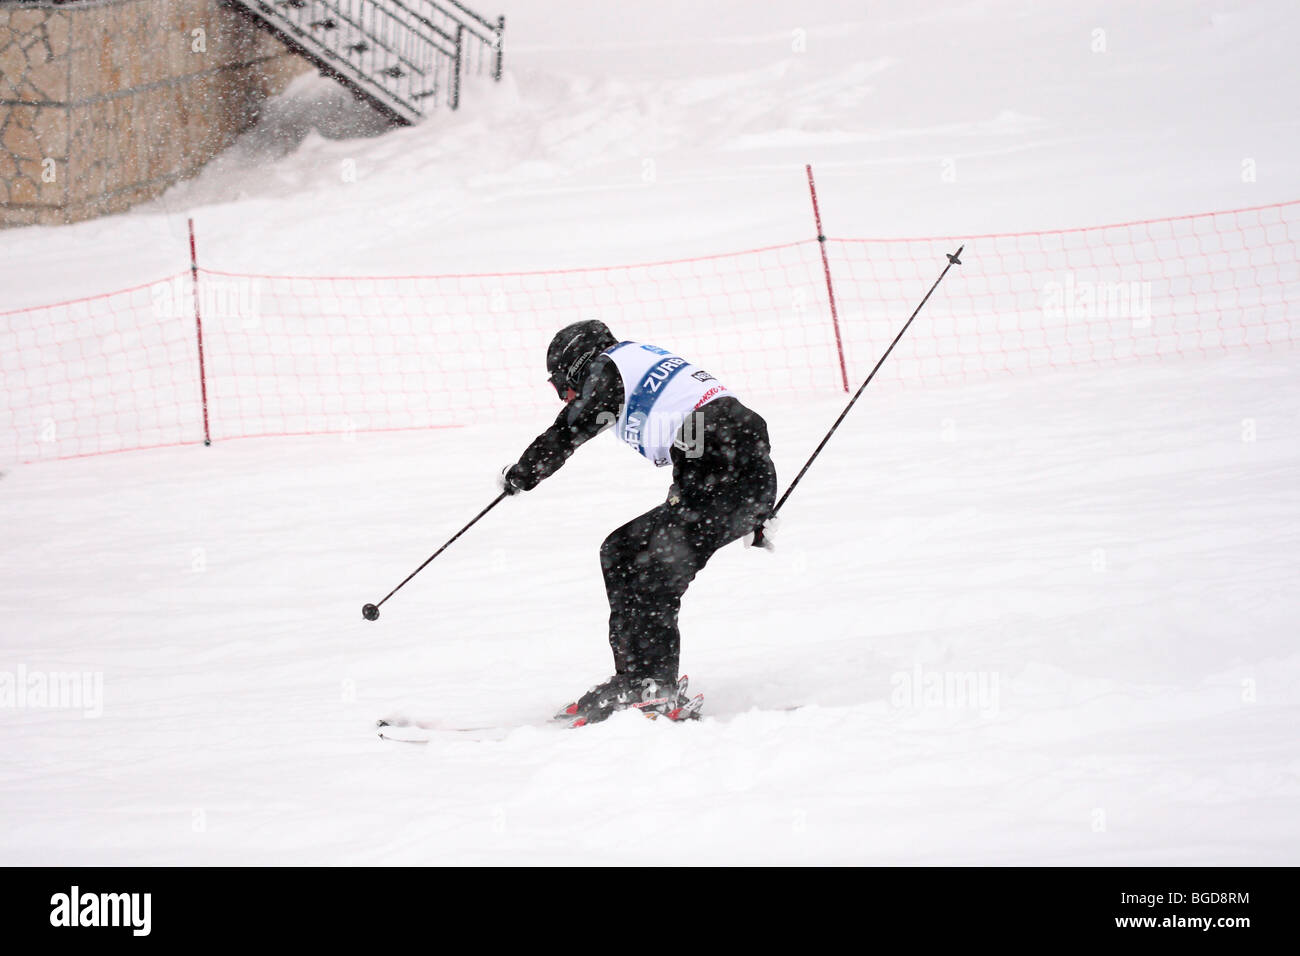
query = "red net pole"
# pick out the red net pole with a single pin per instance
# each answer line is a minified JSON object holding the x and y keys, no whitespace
{"x":830,"y":288}
{"x":198,"y":331}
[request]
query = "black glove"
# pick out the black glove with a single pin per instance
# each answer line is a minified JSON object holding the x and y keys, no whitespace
{"x":764,"y":536}
{"x":510,"y":481}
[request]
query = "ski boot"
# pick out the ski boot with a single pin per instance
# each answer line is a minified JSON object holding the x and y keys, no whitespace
{"x":622,"y":693}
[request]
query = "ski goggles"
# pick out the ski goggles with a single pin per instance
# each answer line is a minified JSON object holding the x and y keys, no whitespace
{"x":562,"y":391}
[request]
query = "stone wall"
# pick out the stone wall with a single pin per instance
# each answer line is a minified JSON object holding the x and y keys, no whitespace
{"x":105,"y":103}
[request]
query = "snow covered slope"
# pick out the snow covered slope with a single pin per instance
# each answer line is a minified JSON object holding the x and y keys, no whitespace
{"x":629,"y":132}
{"x":1048,"y":623}
{"x":1047,"y":619}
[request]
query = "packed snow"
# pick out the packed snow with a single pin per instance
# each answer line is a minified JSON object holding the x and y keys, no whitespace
{"x":1046,"y":618}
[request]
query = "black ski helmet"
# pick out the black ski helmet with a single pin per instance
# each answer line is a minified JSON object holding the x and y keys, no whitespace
{"x":571,"y":352}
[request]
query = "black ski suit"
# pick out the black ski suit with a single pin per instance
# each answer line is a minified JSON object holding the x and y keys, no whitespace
{"x":724,"y":486}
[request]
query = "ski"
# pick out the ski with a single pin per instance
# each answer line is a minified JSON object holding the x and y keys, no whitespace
{"x":403,"y":740}
{"x":405,"y":730}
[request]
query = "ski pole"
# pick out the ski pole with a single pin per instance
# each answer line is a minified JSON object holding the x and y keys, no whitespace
{"x":371,"y":611}
{"x":954,"y":259}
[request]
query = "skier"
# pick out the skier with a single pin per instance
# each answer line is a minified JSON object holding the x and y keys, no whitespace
{"x":724,"y":488}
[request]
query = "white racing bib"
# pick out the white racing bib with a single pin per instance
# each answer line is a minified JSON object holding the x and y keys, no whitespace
{"x":659,"y":391}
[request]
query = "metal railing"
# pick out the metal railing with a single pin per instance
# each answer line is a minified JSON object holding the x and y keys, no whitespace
{"x":398,"y":54}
